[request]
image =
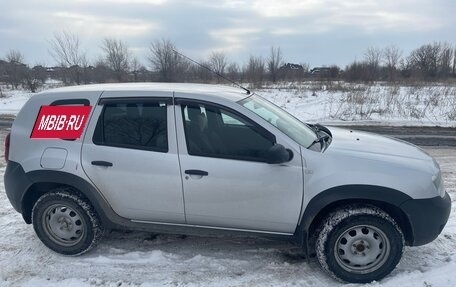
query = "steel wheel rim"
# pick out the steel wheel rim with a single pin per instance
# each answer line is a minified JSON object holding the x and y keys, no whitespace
{"x":63,"y":225}
{"x":362,"y":249}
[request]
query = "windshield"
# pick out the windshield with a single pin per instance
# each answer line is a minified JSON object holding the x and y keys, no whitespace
{"x":282,"y":120}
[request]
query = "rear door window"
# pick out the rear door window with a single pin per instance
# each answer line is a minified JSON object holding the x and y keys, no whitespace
{"x":133,"y":125}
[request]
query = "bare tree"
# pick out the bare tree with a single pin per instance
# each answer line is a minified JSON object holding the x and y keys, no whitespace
{"x":170,"y":66}
{"x":135,"y":68}
{"x":426,"y":61}
{"x":117,"y":57}
{"x":201,"y":73}
{"x":40,"y":73}
{"x":454,"y":61}
{"x":445,"y":60}
{"x":255,"y":70}
{"x":2,"y":74}
{"x":101,"y":71}
{"x":418,"y":61}
{"x":19,"y":73}
{"x":67,"y":52}
{"x":275,"y":61}
{"x":66,"y":49}
{"x":218,"y":63}
{"x":391,"y":57}
{"x":14,"y":56}
{"x":233,"y":72}
{"x":163,"y":58}
{"x":16,"y":69}
{"x":144,"y":75}
{"x":434,"y":58}
{"x":34,"y":78}
{"x":372,"y":57}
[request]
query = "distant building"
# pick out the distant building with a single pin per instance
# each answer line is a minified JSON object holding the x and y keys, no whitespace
{"x":290,"y":71}
{"x":321,"y":72}
{"x":325,"y":72}
{"x":291,"y":67}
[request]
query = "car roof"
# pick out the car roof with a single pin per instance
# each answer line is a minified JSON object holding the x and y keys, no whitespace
{"x":219,"y":91}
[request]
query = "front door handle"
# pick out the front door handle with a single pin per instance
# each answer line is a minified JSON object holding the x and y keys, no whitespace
{"x":102,"y":163}
{"x":196,"y":172}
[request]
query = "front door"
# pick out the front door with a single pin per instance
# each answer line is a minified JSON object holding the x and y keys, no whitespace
{"x":227,"y":182}
{"x":132,"y":158}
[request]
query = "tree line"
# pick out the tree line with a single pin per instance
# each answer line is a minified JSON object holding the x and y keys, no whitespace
{"x":430,"y":62}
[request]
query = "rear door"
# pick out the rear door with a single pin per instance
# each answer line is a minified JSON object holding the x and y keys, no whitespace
{"x":130,"y":154}
{"x":227,"y":183}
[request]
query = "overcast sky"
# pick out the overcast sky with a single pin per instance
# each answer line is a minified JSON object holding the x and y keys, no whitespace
{"x":318,"y":32}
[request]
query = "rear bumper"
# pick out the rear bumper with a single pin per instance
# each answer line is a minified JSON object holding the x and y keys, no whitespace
{"x":427,"y":217}
{"x":16,"y":183}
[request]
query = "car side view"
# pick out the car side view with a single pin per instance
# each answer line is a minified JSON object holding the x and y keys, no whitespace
{"x":207,"y":159}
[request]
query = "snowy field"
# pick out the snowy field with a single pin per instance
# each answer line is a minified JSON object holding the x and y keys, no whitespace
{"x":345,"y":103}
{"x":339,"y":103}
{"x":12,"y":101}
{"x":144,"y":259}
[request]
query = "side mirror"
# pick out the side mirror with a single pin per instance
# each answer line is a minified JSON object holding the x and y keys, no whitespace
{"x":278,"y":154}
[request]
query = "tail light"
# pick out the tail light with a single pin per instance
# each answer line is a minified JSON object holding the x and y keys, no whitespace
{"x":7,"y":146}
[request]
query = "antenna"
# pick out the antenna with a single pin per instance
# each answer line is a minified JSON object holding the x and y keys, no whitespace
{"x":210,"y":70}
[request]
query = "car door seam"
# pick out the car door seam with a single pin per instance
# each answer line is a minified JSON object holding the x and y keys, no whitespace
{"x":178,"y":157}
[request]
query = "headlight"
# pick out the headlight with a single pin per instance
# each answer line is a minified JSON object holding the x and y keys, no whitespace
{"x":438,"y":182}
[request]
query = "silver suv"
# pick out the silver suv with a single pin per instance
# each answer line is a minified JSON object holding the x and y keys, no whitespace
{"x":204,"y":159}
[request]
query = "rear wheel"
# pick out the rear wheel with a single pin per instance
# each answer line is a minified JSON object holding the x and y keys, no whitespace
{"x":66,"y":222}
{"x":359,"y":244}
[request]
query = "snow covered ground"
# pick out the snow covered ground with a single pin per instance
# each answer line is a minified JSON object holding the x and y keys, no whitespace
{"x":12,"y":101}
{"x":345,"y":103}
{"x":144,"y":259}
{"x":340,"y":103}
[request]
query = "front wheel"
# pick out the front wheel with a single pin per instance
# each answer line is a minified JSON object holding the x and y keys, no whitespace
{"x":359,"y":244}
{"x":66,"y":222}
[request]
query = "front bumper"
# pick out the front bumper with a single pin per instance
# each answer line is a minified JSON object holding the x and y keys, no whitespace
{"x":427,"y":217}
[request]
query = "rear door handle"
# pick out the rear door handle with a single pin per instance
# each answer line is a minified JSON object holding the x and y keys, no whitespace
{"x":196,"y":172}
{"x":101,"y":163}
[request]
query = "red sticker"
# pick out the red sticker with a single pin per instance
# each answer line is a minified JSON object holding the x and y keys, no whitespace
{"x":60,"y":122}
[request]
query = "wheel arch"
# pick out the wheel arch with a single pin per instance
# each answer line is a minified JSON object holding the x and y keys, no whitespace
{"x":43,"y":181}
{"x":387,"y":199}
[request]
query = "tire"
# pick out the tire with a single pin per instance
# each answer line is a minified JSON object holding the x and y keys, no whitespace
{"x":66,"y":222}
{"x":359,"y":244}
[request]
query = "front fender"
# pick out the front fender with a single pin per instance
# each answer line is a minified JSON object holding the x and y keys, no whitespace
{"x":334,"y":197}
{"x":350,"y":193}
